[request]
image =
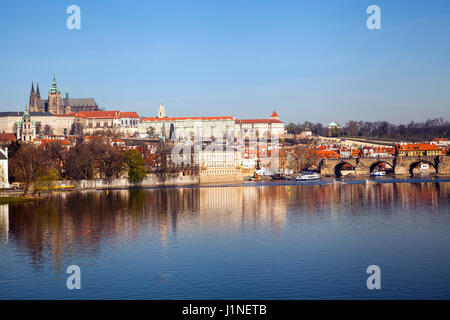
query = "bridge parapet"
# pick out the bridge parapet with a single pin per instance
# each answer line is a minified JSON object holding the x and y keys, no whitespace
{"x":402,"y":165}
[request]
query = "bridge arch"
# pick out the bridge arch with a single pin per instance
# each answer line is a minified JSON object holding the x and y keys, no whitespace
{"x":343,"y":165}
{"x":417,"y":168}
{"x":382,"y":165}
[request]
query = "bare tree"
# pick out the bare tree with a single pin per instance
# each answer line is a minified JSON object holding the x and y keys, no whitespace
{"x":307,"y":157}
{"x":77,"y":129}
{"x":27,"y":164}
{"x":47,"y":130}
{"x":108,"y":159}
{"x":38,"y":127}
{"x":79,"y":162}
{"x":54,"y":154}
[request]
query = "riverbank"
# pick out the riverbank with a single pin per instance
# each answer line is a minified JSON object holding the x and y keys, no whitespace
{"x":16,"y":199}
{"x":14,"y":196}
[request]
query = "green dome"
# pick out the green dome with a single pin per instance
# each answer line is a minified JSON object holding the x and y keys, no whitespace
{"x":334,"y":124}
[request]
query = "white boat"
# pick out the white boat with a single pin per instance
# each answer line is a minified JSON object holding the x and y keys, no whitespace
{"x":308,"y":176}
{"x":378,"y":173}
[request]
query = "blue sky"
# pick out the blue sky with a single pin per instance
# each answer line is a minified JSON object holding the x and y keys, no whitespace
{"x":311,"y":60}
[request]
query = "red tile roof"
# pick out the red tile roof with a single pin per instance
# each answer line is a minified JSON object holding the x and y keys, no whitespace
{"x":186,"y":118}
{"x":258,"y":121}
{"x":115,"y":114}
{"x":7,"y":137}
{"x":99,"y":114}
{"x":45,"y":141}
{"x":274,"y":114}
{"x":328,"y":154}
{"x":418,"y":146}
{"x":129,"y":115}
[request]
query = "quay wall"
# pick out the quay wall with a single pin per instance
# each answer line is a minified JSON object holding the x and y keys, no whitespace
{"x":123,"y":183}
{"x":151,"y":180}
{"x":205,"y":179}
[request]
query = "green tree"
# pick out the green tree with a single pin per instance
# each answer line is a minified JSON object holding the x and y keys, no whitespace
{"x":135,"y":165}
{"x":48,"y":180}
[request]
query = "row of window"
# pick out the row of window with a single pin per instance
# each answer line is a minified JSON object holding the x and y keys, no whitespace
{"x":132,"y":122}
{"x":219,"y":172}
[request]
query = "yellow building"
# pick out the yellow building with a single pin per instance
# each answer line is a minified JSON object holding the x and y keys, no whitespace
{"x":419,"y":150}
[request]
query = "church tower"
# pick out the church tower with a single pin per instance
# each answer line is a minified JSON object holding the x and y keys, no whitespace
{"x":38,"y":94}
{"x":26,"y":128}
{"x":161,"y":111}
{"x":32,"y":98}
{"x":54,"y":99}
{"x":274,"y":116}
{"x":35,"y":98}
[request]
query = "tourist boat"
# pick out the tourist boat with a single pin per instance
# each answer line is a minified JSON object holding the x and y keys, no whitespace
{"x":378,"y":173}
{"x":308,"y":176}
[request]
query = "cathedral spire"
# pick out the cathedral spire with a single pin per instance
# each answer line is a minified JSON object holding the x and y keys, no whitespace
{"x":37,"y":90}
{"x":54,"y":88}
{"x":32,"y":94}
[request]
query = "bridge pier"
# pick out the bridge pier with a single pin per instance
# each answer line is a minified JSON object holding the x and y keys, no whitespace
{"x":362,"y":170}
{"x":443,"y":165}
{"x":326,"y":169}
{"x":402,"y":166}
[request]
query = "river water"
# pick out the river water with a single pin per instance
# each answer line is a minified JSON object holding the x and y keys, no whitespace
{"x":231,"y":242}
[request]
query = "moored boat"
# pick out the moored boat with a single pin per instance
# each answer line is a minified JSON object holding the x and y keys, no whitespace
{"x":256,"y":177}
{"x":279,"y":176}
{"x":378,"y":173}
{"x":308,"y":176}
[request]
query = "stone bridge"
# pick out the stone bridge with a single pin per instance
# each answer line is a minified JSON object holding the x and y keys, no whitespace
{"x":400,"y":165}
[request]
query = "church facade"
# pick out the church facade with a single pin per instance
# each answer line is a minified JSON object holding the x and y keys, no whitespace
{"x":55,"y":104}
{"x":26,"y":128}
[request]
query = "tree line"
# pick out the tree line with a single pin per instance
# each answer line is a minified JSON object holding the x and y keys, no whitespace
{"x":86,"y":160}
{"x":428,"y":130}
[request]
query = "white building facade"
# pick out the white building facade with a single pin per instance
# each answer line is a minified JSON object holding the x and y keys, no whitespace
{"x":182,"y":128}
{"x":4,"y":183}
{"x":220,"y":165}
{"x":60,"y":124}
{"x":186,"y":128}
{"x":272,"y":127}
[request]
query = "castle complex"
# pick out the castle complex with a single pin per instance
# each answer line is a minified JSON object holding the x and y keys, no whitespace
{"x":55,"y":104}
{"x":62,"y":116}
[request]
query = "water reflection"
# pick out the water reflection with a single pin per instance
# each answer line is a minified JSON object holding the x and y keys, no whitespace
{"x":83,"y":222}
{"x":4,"y":222}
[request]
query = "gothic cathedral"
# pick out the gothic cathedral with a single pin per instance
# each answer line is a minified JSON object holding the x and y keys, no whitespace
{"x":55,"y":104}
